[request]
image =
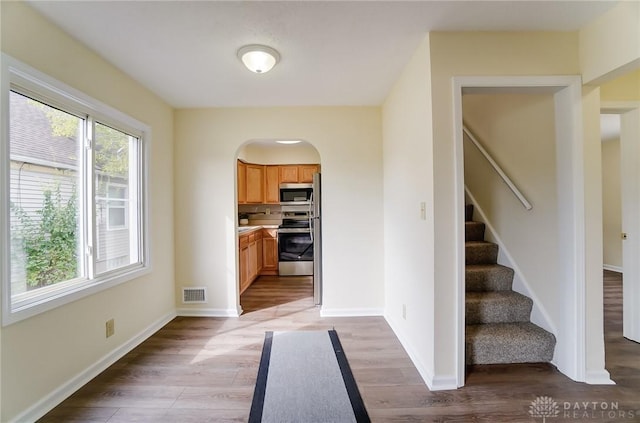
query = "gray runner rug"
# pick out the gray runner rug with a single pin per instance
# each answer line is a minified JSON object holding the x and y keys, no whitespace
{"x":304,"y":377}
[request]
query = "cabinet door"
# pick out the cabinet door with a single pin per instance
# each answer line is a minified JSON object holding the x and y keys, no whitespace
{"x":242,"y":183}
{"x":259,"y":256}
{"x":255,"y":183}
{"x":253,"y":261}
{"x":244,"y":268}
{"x":270,"y":252}
{"x":272,"y":184}
{"x":288,"y":174}
{"x":305,"y":172}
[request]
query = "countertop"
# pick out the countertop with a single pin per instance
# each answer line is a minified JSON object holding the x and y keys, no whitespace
{"x":248,"y":228}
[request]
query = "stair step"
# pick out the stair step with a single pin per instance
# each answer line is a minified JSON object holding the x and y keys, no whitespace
{"x":488,"y":277}
{"x":480,"y":252}
{"x":468,"y":212}
{"x":501,"y":343}
{"x":474,"y":231}
{"x":497,"y":307}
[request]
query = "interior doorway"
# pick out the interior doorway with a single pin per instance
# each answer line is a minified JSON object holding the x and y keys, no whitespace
{"x":279,"y":231}
{"x":570,"y":353}
{"x":627,"y":117}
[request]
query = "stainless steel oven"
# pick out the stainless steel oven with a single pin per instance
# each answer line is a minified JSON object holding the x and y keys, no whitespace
{"x":295,"y":247}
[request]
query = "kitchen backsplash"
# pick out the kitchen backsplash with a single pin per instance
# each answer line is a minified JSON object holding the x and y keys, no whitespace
{"x":261,"y":212}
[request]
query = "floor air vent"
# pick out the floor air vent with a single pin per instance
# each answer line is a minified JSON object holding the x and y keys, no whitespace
{"x":194,"y":295}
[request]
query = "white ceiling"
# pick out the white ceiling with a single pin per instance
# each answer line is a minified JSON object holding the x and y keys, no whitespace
{"x":333,"y":52}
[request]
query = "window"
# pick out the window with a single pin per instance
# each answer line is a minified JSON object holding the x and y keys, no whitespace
{"x":116,"y":202}
{"x":75,"y":194}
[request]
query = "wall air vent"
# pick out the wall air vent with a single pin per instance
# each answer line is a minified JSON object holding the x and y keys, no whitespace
{"x":194,"y":295}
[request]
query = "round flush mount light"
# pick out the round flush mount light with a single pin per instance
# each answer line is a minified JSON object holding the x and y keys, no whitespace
{"x":288,"y":141}
{"x":258,"y":58}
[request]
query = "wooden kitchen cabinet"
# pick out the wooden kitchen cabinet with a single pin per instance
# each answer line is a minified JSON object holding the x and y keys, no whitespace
{"x":270,"y":252}
{"x":255,"y":183}
{"x":298,"y":173}
{"x":260,"y":184}
{"x":251,"y":257}
{"x":272,"y":184}
{"x":305,"y":172}
{"x":288,"y":174}
{"x":244,"y":262}
{"x":242,"y":182}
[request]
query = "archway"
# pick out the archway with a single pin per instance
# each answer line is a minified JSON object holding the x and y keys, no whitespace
{"x":269,"y":247}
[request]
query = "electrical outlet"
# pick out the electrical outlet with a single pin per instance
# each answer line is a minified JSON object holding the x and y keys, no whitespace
{"x":267,"y":211}
{"x":110,"y":327}
{"x":404,"y":311}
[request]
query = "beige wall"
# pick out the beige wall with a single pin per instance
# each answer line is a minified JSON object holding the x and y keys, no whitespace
{"x":518,"y":131}
{"x":610,"y":45}
{"x":302,"y":153}
{"x":408,"y":181}
{"x":623,"y":88}
{"x":348,"y":140}
{"x":611,"y":204}
{"x":43,"y":353}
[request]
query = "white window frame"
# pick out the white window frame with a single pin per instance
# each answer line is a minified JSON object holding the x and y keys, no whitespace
{"x":22,"y":78}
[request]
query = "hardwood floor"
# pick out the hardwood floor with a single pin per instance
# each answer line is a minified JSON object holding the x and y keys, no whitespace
{"x":204,"y":370}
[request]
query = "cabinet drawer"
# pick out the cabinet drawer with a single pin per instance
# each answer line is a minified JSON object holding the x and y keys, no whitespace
{"x":243,"y":242}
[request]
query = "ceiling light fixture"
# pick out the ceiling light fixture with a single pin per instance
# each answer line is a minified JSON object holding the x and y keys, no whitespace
{"x":258,"y":58}
{"x":288,"y":142}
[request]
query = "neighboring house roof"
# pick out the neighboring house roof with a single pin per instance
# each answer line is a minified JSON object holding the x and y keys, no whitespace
{"x":31,"y":136}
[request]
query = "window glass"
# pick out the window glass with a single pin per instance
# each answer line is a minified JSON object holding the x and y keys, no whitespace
{"x":117,"y":244}
{"x":45,"y":225}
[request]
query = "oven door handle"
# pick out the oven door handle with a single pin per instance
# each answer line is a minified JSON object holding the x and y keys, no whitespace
{"x":294,"y":230}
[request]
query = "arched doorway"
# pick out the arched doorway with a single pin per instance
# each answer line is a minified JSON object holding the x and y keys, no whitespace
{"x":278,"y":222}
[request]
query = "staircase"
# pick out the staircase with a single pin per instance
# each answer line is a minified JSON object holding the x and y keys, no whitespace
{"x":498,"y":329}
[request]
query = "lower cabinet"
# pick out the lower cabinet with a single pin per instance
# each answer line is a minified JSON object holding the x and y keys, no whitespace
{"x":251,"y":257}
{"x":270,"y":251}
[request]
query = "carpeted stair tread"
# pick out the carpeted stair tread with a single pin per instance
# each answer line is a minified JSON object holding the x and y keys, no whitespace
{"x":497,"y":307}
{"x":488,"y":277}
{"x":501,"y":343}
{"x":474,"y":231}
{"x":498,"y":327}
{"x":480,"y":252}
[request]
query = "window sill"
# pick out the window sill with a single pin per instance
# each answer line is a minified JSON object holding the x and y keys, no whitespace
{"x":13,"y":313}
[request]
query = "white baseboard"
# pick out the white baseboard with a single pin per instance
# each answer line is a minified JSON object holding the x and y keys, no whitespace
{"x":434,"y":383}
{"x":444,"y":383}
{"x":350,"y":312}
{"x":598,"y":377}
{"x":208,"y":312}
{"x":613,"y":268}
{"x":50,"y":401}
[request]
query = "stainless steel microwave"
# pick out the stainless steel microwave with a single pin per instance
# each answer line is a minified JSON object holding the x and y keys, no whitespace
{"x":296,"y":194}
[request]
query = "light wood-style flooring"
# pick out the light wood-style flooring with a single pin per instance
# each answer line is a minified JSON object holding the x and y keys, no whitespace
{"x":204,"y":370}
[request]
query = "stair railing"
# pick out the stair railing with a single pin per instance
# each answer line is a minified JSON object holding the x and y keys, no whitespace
{"x":527,"y":205}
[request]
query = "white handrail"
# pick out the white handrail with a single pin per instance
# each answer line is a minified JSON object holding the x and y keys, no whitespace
{"x":527,"y":205}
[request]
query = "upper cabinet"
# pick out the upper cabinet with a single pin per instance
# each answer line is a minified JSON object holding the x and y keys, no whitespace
{"x":242,"y":182}
{"x":272,"y":184}
{"x":260,"y":184}
{"x":255,"y":183}
{"x":305,"y":172}
{"x":288,"y":174}
{"x":298,"y":173}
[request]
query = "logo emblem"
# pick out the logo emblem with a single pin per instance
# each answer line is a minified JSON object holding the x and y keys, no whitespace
{"x":544,"y":407}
